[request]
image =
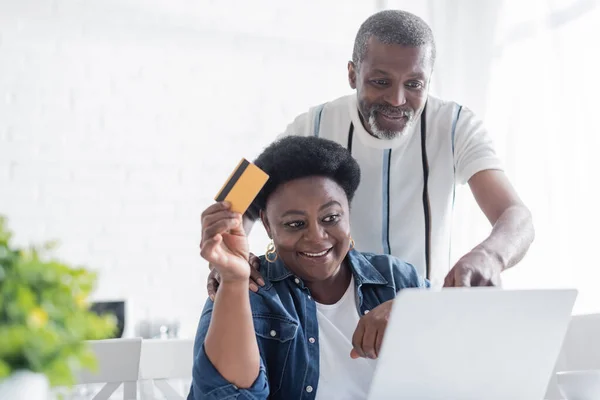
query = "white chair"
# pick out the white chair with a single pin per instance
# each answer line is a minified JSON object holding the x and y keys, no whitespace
{"x":153,"y":363}
{"x":165,"y":360}
{"x":580,"y":351}
{"x":118,"y":364}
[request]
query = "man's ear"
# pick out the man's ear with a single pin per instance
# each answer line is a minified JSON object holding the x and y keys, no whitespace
{"x":352,"y":74}
{"x":265,"y":222}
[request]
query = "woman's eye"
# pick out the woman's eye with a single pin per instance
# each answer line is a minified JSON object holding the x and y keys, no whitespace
{"x":295,"y":224}
{"x":331,"y":218}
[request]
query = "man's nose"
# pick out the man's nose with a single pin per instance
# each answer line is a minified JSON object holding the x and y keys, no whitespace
{"x":396,"y":96}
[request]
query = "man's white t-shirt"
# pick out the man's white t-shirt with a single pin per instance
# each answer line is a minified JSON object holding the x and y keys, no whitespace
{"x":341,"y":377}
{"x":388,"y":212}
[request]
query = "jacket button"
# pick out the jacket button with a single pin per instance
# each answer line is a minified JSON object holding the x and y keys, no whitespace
{"x":312,"y":339}
{"x":273,"y":333}
{"x":366,"y":312}
{"x":309,"y":389}
{"x":297,"y":281}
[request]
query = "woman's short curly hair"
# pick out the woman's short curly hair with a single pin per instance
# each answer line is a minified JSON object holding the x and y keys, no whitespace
{"x":295,"y":157}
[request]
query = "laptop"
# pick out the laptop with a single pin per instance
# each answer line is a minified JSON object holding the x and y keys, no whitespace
{"x":472,"y":344}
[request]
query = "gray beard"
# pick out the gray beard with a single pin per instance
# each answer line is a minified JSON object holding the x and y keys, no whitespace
{"x":387,"y":134}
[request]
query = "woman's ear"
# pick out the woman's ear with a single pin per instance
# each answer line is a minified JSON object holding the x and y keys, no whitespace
{"x":265,"y":222}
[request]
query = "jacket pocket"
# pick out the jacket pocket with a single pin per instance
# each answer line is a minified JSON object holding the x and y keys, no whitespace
{"x":275,"y":336}
{"x":274,"y":327}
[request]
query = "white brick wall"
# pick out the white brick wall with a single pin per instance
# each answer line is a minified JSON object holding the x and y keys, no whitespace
{"x":120,"y":119}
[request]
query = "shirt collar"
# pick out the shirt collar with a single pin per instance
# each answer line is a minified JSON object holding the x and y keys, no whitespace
{"x":364,"y":271}
{"x":276,"y":271}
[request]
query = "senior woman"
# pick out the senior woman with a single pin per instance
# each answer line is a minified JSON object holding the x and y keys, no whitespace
{"x":301,"y":335}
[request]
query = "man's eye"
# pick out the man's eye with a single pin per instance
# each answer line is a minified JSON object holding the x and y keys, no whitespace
{"x":414,"y":85}
{"x":380,"y":82}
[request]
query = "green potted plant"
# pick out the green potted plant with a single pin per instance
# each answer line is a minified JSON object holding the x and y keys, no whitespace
{"x":44,"y":320}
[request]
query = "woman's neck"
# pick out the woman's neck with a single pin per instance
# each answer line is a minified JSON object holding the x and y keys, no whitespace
{"x":331,"y":290}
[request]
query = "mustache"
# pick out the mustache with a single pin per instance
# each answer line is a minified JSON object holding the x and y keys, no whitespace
{"x":392,"y":111}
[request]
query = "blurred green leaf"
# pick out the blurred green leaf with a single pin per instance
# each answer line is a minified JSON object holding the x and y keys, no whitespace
{"x":4,"y":369}
{"x":45,"y":319}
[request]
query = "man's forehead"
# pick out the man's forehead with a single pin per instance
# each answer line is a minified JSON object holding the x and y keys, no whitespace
{"x":395,"y":56}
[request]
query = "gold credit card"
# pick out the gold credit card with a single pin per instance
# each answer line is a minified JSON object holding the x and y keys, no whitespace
{"x":242,"y":186}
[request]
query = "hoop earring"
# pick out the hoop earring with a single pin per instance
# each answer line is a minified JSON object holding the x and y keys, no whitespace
{"x":270,"y":251}
{"x":351,"y":243}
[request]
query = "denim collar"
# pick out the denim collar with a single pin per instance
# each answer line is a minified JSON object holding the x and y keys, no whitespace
{"x":363,"y":270}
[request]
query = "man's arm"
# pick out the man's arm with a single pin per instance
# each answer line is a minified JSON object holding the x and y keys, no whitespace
{"x":509,"y":240}
{"x":512,"y":231}
{"x":476,"y":162}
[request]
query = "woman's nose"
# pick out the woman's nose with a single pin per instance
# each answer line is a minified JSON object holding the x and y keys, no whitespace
{"x":316,"y":232}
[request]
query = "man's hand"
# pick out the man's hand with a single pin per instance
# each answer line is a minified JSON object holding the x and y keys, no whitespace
{"x":476,"y":268}
{"x":255,"y":278}
{"x":368,"y":335}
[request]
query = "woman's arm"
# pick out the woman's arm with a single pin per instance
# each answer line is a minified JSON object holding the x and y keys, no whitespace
{"x":230,"y":341}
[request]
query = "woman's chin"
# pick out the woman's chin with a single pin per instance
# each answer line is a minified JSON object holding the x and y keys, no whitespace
{"x":318,"y":271}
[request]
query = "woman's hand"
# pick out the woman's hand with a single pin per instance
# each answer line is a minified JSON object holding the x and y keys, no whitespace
{"x":370,"y":330}
{"x":224,"y":242}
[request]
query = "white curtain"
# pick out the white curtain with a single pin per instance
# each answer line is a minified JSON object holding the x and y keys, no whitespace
{"x":543,"y":100}
{"x":531,"y":70}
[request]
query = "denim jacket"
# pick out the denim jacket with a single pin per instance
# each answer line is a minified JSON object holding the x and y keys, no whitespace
{"x":285,"y":322}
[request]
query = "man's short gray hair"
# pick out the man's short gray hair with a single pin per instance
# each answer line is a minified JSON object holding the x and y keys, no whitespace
{"x":393,"y":27}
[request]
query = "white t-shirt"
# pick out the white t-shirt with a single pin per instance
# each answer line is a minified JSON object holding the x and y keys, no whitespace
{"x":388,"y":211}
{"x":341,"y":377}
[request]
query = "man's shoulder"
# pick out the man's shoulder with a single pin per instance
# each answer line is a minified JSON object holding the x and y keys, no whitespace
{"x":330,"y":108}
{"x":341,"y":102}
{"x":439,"y":105}
{"x":333,"y":110}
{"x":443,"y":109}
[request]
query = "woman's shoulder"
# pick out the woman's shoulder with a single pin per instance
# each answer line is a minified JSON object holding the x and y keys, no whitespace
{"x":268,"y":301}
{"x":401,"y":273}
